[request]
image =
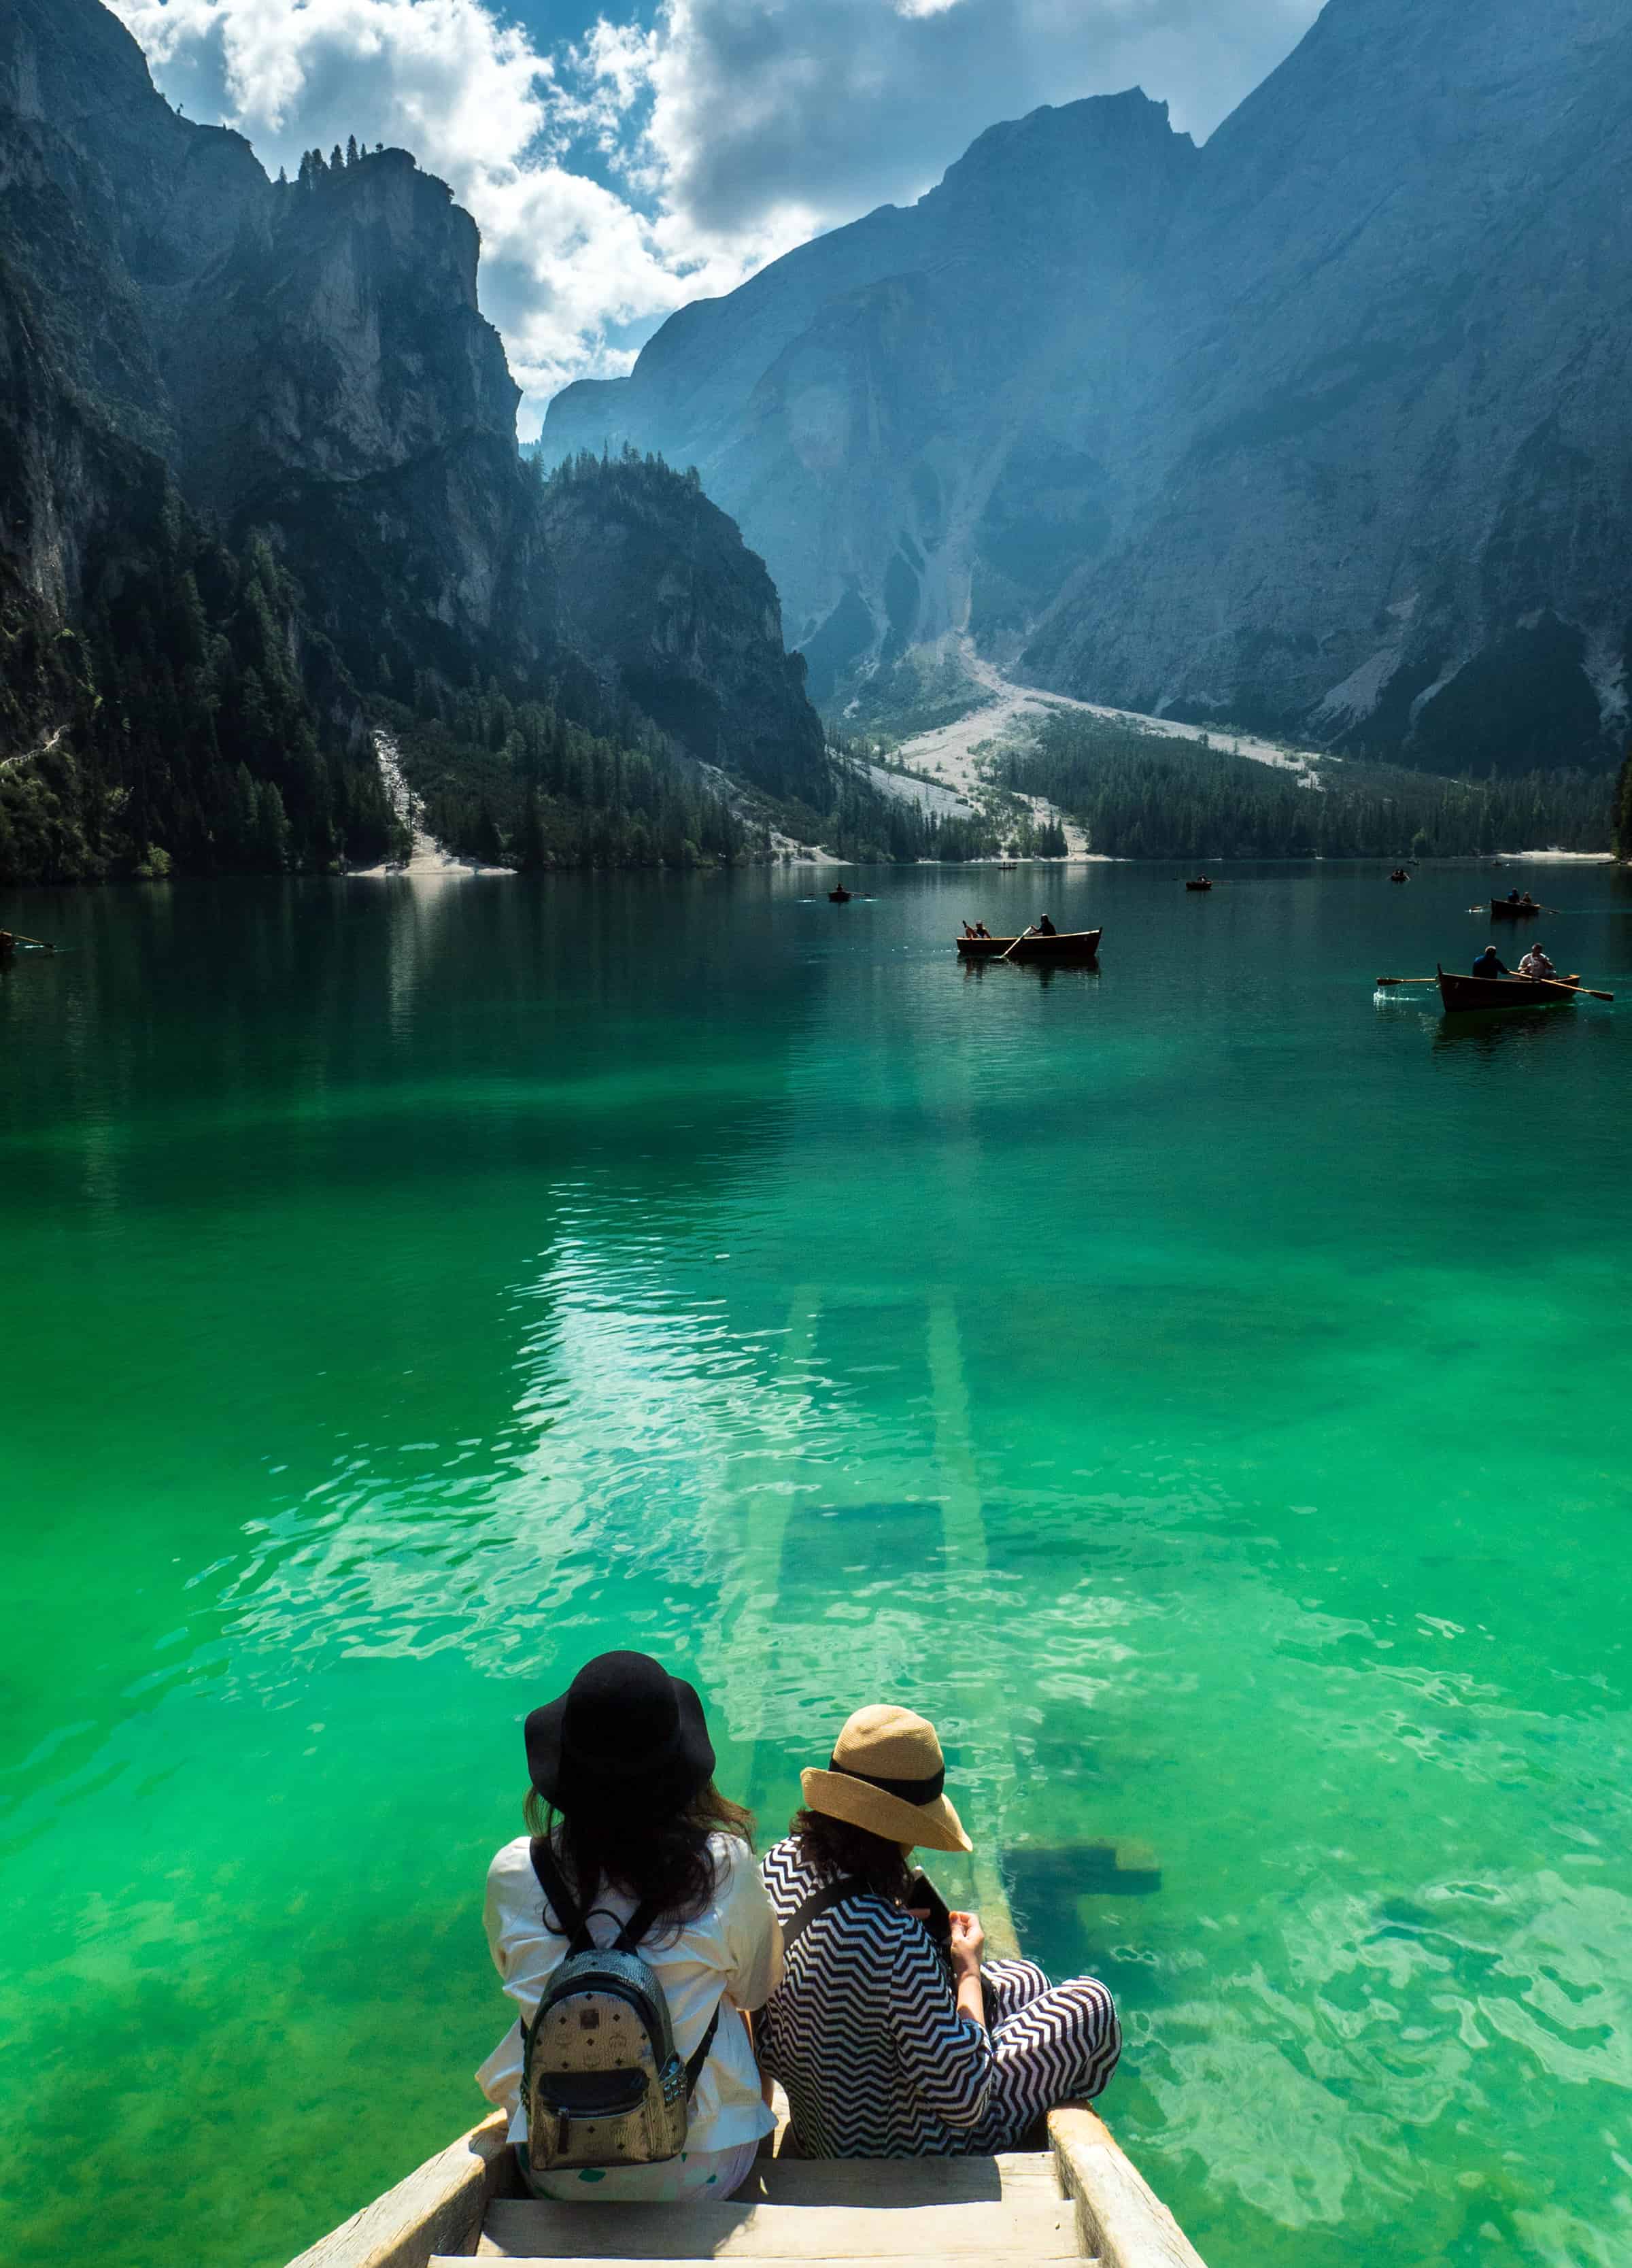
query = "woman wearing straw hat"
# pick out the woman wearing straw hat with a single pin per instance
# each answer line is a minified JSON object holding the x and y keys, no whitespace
{"x":889,"y":2045}
{"x":624,"y":1813}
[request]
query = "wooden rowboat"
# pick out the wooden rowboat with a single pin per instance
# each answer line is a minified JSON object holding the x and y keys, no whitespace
{"x":1077,"y":2198}
{"x":1069,"y":945}
{"x":1198,"y":885}
{"x":1459,"y":992}
{"x":1504,"y":910}
{"x":841,"y":897}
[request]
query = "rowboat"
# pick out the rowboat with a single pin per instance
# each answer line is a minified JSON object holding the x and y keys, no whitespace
{"x":1400,"y":875}
{"x":1505,"y":910}
{"x":841,"y":897}
{"x":1459,"y":992}
{"x":1198,"y":885}
{"x":1069,"y":945}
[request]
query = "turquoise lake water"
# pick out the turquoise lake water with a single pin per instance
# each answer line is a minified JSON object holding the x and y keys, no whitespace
{"x":1202,"y":1385}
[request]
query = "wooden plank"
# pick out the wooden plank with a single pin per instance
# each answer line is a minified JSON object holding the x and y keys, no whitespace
{"x":1044,"y":2229}
{"x":892,"y":2184}
{"x":995,"y":2256}
{"x":1124,"y":2223}
{"x":437,"y":2210}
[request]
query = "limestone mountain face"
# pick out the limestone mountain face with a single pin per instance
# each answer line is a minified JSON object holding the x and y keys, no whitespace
{"x":1321,"y":427}
{"x":1386,"y":481}
{"x":886,"y":408}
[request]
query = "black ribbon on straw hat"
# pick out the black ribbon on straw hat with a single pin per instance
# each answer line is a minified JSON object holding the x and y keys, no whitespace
{"x":910,"y":1791}
{"x":887,"y":1775}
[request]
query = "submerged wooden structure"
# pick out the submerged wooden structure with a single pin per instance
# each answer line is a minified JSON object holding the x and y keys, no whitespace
{"x":1076,"y":2197}
{"x":1065,"y":944}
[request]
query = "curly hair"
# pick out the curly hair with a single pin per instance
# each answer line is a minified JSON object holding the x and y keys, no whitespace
{"x":664,"y":1861}
{"x":833,"y":1848}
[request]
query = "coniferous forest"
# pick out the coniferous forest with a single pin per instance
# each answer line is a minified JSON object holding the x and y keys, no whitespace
{"x":189,"y":734}
{"x":1141,"y":795}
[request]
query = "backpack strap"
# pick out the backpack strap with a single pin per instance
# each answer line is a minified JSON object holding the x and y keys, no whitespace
{"x":823,"y":1901}
{"x":573,"y":1925}
{"x":627,"y":1941}
{"x":700,"y":2054}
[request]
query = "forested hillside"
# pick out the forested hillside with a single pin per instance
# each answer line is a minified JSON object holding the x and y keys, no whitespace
{"x":259,"y":487}
{"x":1142,"y":795}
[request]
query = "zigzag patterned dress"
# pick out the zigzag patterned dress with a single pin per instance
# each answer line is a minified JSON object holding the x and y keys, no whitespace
{"x":865,"y":2035}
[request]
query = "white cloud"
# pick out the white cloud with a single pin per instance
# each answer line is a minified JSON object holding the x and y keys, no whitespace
{"x":619,"y":176}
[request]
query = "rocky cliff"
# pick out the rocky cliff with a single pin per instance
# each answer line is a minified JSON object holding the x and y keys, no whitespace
{"x":282,"y":400}
{"x":1320,"y":428}
{"x":659,"y":594}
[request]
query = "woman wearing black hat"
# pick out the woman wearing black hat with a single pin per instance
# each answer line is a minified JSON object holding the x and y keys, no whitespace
{"x":889,"y":2046}
{"x":623,"y":1796}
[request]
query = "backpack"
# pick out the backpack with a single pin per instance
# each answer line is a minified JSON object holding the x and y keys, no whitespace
{"x":602,"y":2082}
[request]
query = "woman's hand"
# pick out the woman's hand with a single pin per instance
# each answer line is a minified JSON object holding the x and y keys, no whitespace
{"x":969,"y":1943}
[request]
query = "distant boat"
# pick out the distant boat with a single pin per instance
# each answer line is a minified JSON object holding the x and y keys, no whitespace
{"x":1459,"y":992}
{"x":1069,"y":945}
{"x":841,"y":897}
{"x":1513,"y":908}
{"x":1400,"y":875}
{"x":1204,"y":884}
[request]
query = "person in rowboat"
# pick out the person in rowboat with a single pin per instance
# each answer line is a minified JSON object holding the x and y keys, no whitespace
{"x":623,"y":1804}
{"x":1536,"y":963}
{"x":1044,"y":927}
{"x":889,"y":2044}
{"x":1490,"y":963}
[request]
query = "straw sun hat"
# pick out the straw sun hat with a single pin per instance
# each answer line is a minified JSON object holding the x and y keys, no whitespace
{"x":886,"y":1775}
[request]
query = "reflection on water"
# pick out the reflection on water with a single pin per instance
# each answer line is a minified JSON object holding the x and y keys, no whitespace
{"x":423,"y":1291}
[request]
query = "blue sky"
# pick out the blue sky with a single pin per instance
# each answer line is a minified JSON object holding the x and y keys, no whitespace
{"x":623,"y":160}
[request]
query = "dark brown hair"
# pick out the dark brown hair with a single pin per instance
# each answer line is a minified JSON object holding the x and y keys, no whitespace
{"x":664,"y":1860}
{"x":833,"y":1848}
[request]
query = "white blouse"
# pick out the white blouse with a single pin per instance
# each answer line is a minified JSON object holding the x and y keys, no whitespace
{"x":732,"y":1950}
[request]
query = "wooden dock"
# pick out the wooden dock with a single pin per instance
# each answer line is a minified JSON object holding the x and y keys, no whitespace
{"x":1079,"y":2198}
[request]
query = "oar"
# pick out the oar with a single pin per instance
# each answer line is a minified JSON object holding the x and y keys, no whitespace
{"x":1564,"y":984}
{"x":39,"y":941}
{"x":1567,"y":986}
{"x":1407,"y":980}
{"x":1025,"y":933}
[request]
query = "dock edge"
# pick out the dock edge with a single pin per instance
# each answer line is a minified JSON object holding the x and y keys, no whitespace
{"x":1121,"y":2221}
{"x":438,"y":2208}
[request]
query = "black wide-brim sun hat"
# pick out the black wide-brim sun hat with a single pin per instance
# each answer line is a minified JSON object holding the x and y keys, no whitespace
{"x":624,"y":1734}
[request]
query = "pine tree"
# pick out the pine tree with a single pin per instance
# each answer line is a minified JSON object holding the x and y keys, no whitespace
{"x":351,"y":150}
{"x":530,"y":841}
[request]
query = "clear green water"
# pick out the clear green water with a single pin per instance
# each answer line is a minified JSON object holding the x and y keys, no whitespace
{"x":1202,"y":1385}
